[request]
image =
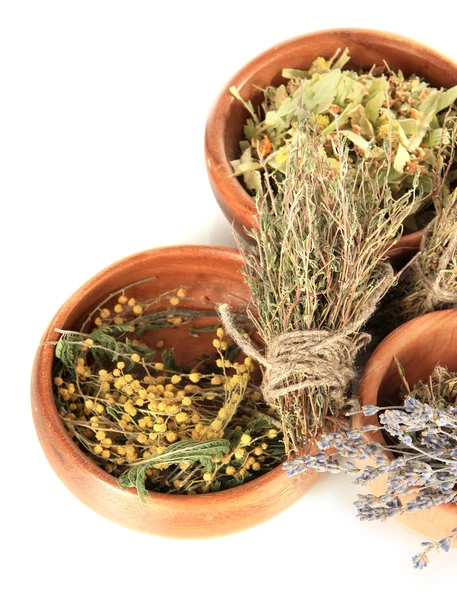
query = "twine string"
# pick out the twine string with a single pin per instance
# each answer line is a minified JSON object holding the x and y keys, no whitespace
{"x":312,"y":357}
{"x":436,"y":293}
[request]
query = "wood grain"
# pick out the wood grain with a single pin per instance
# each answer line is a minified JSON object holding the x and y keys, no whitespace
{"x":211,"y":271}
{"x":224,"y":127}
{"x":419,"y":345}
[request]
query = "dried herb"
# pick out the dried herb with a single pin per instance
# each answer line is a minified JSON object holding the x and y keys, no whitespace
{"x":423,"y":434}
{"x":430,"y":282}
{"x":315,"y":272}
{"x":368,"y":108}
{"x":152,"y":423}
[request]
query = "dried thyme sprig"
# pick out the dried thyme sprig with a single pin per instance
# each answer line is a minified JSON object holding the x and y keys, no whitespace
{"x":152,"y":423}
{"x":430,"y":282}
{"x":422,"y":433}
{"x":368,"y":108}
{"x":315,"y":271}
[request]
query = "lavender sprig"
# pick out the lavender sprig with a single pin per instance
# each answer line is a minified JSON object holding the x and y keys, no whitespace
{"x":421,"y":560}
{"x":425,"y":465}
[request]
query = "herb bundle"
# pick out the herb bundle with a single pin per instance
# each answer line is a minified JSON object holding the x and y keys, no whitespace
{"x":315,"y":272}
{"x":367,"y":108}
{"x":152,"y":423}
{"x":430,"y":282}
{"x":423,"y":435}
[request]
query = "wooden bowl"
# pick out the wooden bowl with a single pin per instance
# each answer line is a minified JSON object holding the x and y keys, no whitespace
{"x":419,"y":345}
{"x":224,"y":128}
{"x":211,"y":271}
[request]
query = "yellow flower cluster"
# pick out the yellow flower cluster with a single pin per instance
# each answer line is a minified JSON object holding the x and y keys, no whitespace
{"x":123,"y":415}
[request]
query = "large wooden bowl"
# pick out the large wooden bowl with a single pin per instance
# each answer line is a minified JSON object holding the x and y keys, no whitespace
{"x":224,"y":128}
{"x":210,"y":271}
{"x":419,"y":345}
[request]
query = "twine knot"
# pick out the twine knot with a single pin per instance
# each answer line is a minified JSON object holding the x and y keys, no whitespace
{"x":436,"y":294}
{"x":312,"y":358}
{"x":300,"y":360}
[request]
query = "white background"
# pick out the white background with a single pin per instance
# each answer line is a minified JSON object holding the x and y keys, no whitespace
{"x":103,"y":109}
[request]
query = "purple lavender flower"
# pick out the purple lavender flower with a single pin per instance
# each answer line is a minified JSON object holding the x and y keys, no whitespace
{"x":425,"y":466}
{"x":445,"y":543}
{"x":420,"y":561}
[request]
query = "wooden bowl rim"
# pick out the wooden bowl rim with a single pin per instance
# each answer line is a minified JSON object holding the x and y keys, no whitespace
{"x":230,"y":189}
{"x":44,"y":397}
{"x":372,"y":373}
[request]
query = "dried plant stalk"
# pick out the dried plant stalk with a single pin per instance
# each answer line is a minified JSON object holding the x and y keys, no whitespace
{"x":430,"y":282}
{"x":151,"y":422}
{"x":422,"y":432}
{"x":316,"y":273}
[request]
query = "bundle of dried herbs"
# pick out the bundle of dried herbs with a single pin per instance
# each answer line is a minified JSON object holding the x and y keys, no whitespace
{"x":316,"y":274}
{"x":152,"y":423}
{"x":430,"y":282}
{"x":367,"y":108}
{"x":422,"y":433}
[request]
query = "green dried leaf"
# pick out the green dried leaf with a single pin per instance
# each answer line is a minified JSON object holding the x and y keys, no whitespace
{"x":247,"y":105}
{"x":358,"y":117}
{"x":258,"y":424}
{"x":294,"y":73}
{"x":436,"y":138}
{"x":324,"y":92}
{"x":342,"y":60}
{"x":447,"y":98}
{"x":356,"y":139}
{"x":168,"y":360}
{"x":409,"y":126}
{"x":428,"y":109}
{"x":401,"y":158}
{"x":184,"y":451}
{"x":67,"y":351}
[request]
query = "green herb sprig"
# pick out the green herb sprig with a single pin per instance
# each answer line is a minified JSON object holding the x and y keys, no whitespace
{"x":316,"y":265}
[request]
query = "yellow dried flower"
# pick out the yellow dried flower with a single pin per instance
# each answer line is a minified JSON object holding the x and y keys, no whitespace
{"x":239,"y":453}
{"x":245,"y":439}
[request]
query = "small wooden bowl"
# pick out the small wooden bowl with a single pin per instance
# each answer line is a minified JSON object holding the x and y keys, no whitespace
{"x":224,"y":128}
{"x":419,"y":345}
{"x":210,"y":271}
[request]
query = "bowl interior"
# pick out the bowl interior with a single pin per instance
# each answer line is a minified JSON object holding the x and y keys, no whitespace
{"x":208,"y":279}
{"x":419,"y":346}
{"x":367,"y":48}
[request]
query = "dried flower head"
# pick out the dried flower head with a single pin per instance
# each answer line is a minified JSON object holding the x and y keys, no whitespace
{"x":422,"y":434}
{"x":430,"y":282}
{"x":154,"y":424}
{"x":367,"y":108}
